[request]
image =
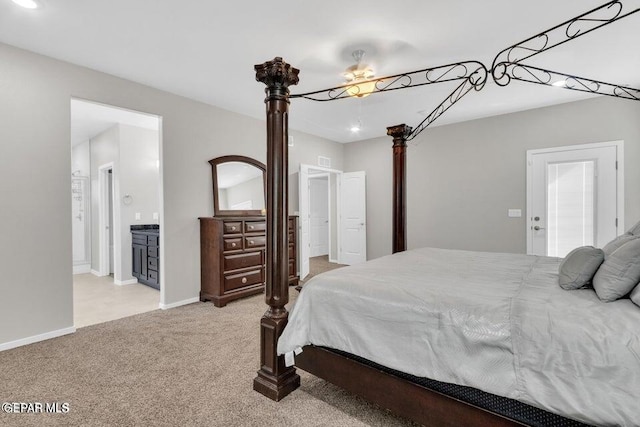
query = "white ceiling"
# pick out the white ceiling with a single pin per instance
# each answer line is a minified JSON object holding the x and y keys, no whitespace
{"x":89,"y":119}
{"x":206,"y":50}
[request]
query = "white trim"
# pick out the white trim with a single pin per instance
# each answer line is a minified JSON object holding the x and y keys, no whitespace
{"x":619,"y":144}
{"x":179,"y":303}
{"x":126,"y":282}
{"x":37,"y":338}
{"x":161,"y":243}
{"x":338,"y":177}
{"x":95,"y":273}
{"x":103,"y":217}
{"x":82,"y":269}
{"x":333,"y":260}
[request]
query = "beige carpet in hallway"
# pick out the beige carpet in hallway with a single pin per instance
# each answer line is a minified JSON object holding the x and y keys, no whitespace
{"x":320,"y":264}
{"x":188,"y":366}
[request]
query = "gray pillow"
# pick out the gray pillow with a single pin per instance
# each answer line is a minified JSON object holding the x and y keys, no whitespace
{"x":635,"y":296}
{"x":610,"y":247}
{"x":635,"y":230}
{"x":579,"y":266}
{"x":619,"y":273}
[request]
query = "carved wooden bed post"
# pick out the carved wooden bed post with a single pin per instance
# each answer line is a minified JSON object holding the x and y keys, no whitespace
{"x":274,"y":379}
{"x":400,"y":133}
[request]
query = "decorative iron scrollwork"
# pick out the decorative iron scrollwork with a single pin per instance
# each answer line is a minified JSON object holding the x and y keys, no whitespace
{"x":531,"y":74}
{"x":475,"y":81}
{"x":569,"y":30}
{"x":506,"y":66}
{"x":474,"y":71}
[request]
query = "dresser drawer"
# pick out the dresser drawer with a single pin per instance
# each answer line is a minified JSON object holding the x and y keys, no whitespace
{"x":153,"y":251}
{"x":240,"y":280}
{"x":153,"y":240}
{"x":245,"y":260}
{"x":255,"y":226}
{"x":138,"y":239}
{"x":153,"y":276}
{"x":292,"y":237}
{"x":255,"y":242}
{"x":152,"y":263}
{"x":232,"y":227}
{"x":292,"y":268}
{"x":233,"y":244}
{"x":292,"y":254}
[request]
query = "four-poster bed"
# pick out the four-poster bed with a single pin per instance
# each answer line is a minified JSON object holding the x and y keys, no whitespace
{"x":422,"y":400}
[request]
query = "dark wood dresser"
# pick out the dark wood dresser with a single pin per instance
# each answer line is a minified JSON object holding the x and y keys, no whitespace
{"x":232,"y":257}
{"x":145,"y":260}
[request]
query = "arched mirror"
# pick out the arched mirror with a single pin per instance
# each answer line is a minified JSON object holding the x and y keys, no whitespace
{"x":238,"y":186}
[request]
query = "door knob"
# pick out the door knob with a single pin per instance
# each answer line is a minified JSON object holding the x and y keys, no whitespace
{"x":537,"y":227}
{"x":536,"y":218}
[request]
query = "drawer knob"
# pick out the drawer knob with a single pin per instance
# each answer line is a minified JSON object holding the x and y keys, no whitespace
{"x":251,"y":227}
{"x":251,"y":242}
{"x":244,"y":280}
{"x":233,"y":227}
{"x":233,"y":245}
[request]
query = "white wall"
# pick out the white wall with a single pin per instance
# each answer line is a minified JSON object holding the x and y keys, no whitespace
{"x":81,"y":159}
{"x":104,"y":149}
{"x":38,"y":224}
{"x":81,"y":207}
{"x":139,"y":178}
{"x":462,"y":178}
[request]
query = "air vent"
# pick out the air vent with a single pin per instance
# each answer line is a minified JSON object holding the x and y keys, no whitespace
{"x":325,"y":162}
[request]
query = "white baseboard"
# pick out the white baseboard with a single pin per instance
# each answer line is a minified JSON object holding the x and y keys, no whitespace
{"x":333,"y":260}
{"x":179,"y":303}
{"x":125,"y":282}
{"x":96,"y":273}
{"x":82,"y":269}
{"x":36,"y":338}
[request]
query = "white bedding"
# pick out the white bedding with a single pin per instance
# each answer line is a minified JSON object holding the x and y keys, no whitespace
{"x":496,"y":322}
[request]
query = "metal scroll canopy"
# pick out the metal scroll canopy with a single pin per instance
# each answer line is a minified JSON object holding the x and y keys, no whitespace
{"x":507,"y":66}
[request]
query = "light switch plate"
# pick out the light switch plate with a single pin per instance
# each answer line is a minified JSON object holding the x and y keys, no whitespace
{"x":137,"y":215}
{"x":155,"y":215}
{"x":515,"y":213}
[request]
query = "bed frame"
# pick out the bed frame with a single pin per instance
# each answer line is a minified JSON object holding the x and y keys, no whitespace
{"x":392,"y":392}
{"x":274,"y":379}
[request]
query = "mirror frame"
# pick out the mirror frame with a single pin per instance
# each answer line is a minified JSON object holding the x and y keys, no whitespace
{"x":241,"y":159}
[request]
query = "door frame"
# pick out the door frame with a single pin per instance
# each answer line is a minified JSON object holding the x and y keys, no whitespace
{"x":618,"y":144}
{"x":328,"y":179}
{"x":304,"y":181}
{"x":103,"y":220}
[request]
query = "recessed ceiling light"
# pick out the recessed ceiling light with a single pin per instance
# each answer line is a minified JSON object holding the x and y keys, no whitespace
{"x":355,"y":129}
{"x":28,"y":4}
{"x":559,"y":83}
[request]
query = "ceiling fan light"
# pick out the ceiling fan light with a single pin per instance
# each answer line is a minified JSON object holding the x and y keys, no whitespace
{"x":27,"y":4}
{"x":361,"y":90}
{"x":559,"y":83}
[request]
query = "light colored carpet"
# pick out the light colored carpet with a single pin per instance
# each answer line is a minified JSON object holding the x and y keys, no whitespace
{"x":188,"y":366}
{"x":320,"y":264}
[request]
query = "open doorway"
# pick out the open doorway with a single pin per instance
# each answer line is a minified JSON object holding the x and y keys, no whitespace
{"x":332,"y":207}
{"x":116,"y":166}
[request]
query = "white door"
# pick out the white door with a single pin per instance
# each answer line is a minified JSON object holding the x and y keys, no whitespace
{"x":303,"y":207}
{"x":319,"y":216}
{"x":353,"y":208}
{"x":573,"y":197}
